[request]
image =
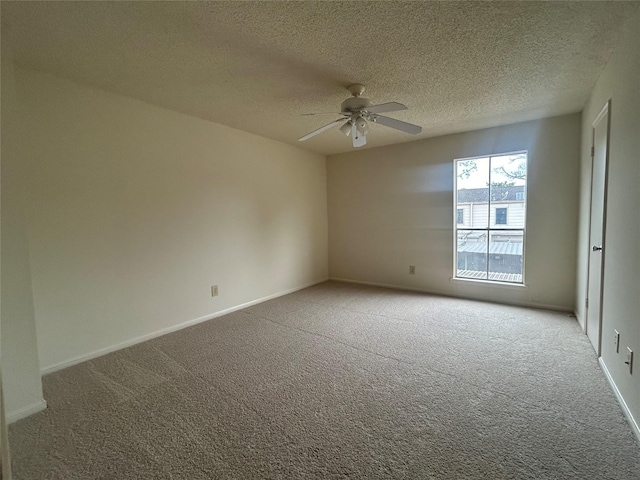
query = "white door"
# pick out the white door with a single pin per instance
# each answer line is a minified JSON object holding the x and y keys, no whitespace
{"x":600,"y":156}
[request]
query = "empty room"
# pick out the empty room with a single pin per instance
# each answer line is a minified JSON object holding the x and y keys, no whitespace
{"x":308,"y":239}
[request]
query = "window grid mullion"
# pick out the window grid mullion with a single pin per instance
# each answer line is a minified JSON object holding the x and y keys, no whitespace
{"x":488,"y":220}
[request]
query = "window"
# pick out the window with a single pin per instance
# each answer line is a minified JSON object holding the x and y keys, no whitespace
{"x":490,"y":245}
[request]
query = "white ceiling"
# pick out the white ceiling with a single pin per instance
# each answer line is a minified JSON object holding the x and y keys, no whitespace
{"x":257,"y":66}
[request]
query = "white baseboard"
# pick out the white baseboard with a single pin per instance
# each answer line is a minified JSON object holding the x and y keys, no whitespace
{"x":103,"y":351}
{"x":623,"y":404}
{"x":24,"y":412}
{"x":543,"y":306}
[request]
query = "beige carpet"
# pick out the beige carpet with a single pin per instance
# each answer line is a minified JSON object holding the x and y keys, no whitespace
{"x":339,"y":381}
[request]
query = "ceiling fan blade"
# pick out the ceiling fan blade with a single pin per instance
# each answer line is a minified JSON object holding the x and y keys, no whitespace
{"x":398,"y":125}
{"x":386,"y":107}
{"x":359,"y":139}
{"x":320,"y":130}
{"x":320,"y":113}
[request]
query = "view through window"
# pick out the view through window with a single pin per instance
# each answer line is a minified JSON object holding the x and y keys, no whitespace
{"x":489,"y":217}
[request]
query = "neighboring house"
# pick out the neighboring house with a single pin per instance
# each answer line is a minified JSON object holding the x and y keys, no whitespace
{"x":498,"y":207}
{"x":507,"y":210}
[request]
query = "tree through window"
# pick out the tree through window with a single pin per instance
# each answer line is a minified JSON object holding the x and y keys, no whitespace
{"x":491,"y":193}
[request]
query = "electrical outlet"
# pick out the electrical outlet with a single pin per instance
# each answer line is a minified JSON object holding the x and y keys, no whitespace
{"x":412,"y":269}
{"x":629,"y":360}
{"x":616,"y":340}
{"x":214,"y":290}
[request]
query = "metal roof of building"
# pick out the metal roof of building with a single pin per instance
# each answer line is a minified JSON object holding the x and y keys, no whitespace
{"x":495,"y":248}
{"x":481,"y":195}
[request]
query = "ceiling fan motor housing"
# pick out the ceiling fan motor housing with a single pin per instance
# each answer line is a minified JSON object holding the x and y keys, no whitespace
{"x":354,"y":104}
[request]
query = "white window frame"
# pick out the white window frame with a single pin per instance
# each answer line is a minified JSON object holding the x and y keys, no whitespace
{"x":489,"y":229}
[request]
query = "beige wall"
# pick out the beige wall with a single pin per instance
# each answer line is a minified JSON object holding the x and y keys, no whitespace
{"x":20,"y":368}
{"x":134,"y":211}
{"x":392,"y":207}
{"x":620,"y":83}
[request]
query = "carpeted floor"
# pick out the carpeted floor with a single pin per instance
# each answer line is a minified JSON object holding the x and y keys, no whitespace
{"x":339,"y":381}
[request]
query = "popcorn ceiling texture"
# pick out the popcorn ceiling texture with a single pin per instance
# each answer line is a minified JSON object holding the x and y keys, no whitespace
{"x":257,"y":66}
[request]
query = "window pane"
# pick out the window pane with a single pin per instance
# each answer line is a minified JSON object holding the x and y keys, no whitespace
{"x":505,"y":256}
{"x":507,"y":190}
{"x":472,"y":190}
{"x":460,"y":216}
{"x":472,"y":254}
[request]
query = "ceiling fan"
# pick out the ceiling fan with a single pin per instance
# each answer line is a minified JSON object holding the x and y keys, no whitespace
{"x":358,"y":113}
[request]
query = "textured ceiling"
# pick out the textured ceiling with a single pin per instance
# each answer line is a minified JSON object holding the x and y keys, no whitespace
{"x":257,"y":66}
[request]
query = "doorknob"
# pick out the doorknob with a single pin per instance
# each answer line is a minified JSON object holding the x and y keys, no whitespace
{"x":596,"y":249}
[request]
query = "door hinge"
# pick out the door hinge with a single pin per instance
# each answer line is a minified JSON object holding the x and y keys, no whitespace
{"x":593,"y":151}
{"x":586,"y":303}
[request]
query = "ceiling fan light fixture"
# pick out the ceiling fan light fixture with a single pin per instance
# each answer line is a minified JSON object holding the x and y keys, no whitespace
{"x":362,"y":126}
{"x":346,"y":128}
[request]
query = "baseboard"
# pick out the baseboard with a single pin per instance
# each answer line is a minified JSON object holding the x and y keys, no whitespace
{"x":623,"y":404}
{"x":24,"y":412}
{"x":128,"y":343}
{"x":543,"y":306}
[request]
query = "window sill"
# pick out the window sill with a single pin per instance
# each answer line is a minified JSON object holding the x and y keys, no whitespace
{"x":479,"y":283}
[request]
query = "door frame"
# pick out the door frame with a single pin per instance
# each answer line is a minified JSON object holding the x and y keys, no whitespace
{"x":606,"y":110}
